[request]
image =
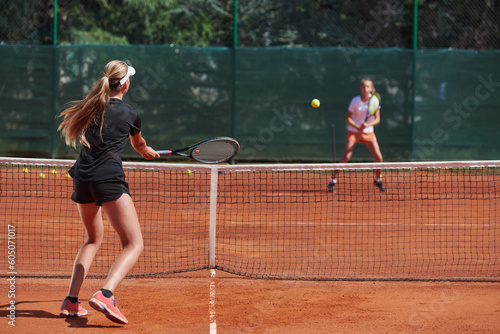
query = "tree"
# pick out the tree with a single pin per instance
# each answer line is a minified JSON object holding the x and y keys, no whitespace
{"x":295,"y":23}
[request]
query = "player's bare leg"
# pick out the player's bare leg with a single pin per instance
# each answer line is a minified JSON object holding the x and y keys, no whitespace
{"x":92,"y":220}
{"x":123,"y":217}
{"x":374,"y":149}
{"x":349,"y":148}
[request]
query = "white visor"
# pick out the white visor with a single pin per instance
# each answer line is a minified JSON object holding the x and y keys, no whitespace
{"x":131,"y":72}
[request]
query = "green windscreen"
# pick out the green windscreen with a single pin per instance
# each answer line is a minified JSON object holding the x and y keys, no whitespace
{"x":435,"y":105}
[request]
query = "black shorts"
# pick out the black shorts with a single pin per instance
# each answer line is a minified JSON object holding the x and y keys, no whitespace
{"x":98,"y":192}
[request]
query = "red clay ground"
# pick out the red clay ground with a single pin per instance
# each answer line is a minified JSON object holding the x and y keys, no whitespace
{"x":242,"y":305}
{"x":48,"y":234}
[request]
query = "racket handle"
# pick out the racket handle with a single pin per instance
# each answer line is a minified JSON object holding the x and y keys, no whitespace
{"x":165,"y":152}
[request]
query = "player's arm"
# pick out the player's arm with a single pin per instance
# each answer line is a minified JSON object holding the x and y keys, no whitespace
{"x":139,"y":144}
{"x":351,"y":122}
{"x":374,"y":120}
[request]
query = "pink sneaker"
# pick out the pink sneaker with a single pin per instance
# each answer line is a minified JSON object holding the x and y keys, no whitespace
{"x":108,"y":307}
{"x":69,"y":309}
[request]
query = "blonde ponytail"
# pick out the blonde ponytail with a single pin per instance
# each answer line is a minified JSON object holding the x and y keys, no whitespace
{"x":79,"y":115}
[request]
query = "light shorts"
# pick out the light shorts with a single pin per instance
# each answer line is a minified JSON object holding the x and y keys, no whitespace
{"x":356,"y":137}
{"x":98,"y":192}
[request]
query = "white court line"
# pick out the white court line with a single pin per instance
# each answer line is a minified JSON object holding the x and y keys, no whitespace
{"x":391,"y":224}
{"x":211,"y":304}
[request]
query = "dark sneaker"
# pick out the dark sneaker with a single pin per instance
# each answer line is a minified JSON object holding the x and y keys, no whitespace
{"x":331,"y":187}
{"x":380,"y":185}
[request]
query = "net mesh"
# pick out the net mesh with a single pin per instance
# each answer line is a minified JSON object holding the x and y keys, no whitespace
{"x":436,"y":221}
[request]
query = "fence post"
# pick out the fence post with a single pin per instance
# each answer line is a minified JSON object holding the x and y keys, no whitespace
{"x":233,"y":69}
{"x":235,"y":24}
{"x":415,"y":24}
{"x":54,"y":42}
{"x":414,"y":76}
{"x":55,"y":72}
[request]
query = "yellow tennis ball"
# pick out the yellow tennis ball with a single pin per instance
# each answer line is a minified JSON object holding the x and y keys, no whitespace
{"x":189,"y":172}
{"x":315,"y":103}
{"x":26,"y":170}
{"x":41,"y":175}
{"x":68,"y":176}
{"x":53,"y":171}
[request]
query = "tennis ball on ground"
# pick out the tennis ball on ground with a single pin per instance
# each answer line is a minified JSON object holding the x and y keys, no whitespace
{"x":41,"y":175}
{"x":315,"y":103}
{"x":189,"y":172}
{"x":25,"y":170}
{"x":53,"y":171}
{"x":68,"y":176}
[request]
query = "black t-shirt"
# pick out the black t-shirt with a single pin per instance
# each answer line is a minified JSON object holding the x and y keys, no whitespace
{"x":103,"y":159}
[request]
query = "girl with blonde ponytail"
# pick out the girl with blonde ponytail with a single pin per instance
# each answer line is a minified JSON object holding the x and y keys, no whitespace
{"x":361,"y":130}
{"x":102,"y":124}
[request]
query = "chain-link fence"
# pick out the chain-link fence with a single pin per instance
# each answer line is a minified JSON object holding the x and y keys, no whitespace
{"x":255,"y":23}
{"x":459,"y":25}
{"x":27,"y":22}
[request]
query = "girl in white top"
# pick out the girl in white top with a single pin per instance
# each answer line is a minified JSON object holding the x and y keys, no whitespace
{"x":360,"y":130}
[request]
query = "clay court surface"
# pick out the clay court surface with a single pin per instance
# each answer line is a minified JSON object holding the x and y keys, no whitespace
{"x":242,"y":305}
{"x":420,"y":229}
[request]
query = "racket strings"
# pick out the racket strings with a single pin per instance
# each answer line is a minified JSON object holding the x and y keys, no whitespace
{"x":214,"y":152}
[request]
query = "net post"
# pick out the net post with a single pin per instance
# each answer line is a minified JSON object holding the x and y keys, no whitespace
{"x":213,"y":216}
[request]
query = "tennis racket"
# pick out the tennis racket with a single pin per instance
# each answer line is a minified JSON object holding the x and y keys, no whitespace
{"x":373,"y":105}
{"x":212,"y":151}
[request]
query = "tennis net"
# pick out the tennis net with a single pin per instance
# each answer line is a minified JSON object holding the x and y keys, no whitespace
{"x":435,"y":221}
